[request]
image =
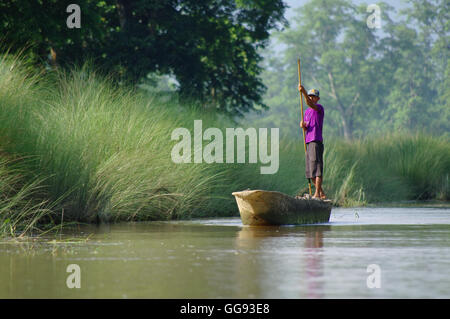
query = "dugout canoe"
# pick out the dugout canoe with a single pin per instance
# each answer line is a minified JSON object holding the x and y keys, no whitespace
{"x":263,"y":208}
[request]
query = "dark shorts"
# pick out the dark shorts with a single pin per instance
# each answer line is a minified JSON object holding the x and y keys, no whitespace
{"x":314,"y":159}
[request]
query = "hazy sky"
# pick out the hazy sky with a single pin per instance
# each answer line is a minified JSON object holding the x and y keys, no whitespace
{"x":297,"y":3}
{"x":293,"y":4}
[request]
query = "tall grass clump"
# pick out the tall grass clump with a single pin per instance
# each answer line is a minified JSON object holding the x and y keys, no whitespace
{"x":390,"y":168}
{"x":23,"y":201}
{"x":23,"y":206}
{"x":420,"y":163}
{"x":105,"y":151}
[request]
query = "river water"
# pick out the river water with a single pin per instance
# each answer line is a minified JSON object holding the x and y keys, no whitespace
{"x":360,"y":253}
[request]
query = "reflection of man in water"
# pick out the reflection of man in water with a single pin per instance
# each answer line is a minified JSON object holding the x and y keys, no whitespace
{"x":314,"y":263}
{"x":255,"y":272}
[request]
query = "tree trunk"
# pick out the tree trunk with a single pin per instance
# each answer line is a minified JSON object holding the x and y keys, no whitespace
{"x":346,"y":113}
{"x":348,"y":129}
{"x":125,"y":15}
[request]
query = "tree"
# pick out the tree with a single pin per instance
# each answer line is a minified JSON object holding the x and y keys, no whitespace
{"x":411,"y":93}
{"x":432,"y":19}
{"x":371,"y":81}
{"x":337,"y":52}
{"x":210,"y":46}
{"x":41,"y":25}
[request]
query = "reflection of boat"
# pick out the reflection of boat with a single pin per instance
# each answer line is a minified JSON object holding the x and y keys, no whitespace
{"x":261,"y":232}
{"x":258,"y":207}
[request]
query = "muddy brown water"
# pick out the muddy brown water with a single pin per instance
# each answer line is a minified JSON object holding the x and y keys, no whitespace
{"x":403,"y":251}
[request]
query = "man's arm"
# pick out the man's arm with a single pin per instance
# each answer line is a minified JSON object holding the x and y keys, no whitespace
{"x":307,"y":98}
{"x":303,"y":125}
{"x":310,"y":102}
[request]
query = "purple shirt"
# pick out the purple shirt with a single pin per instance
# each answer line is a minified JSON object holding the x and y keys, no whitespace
{"x":314,"y":123}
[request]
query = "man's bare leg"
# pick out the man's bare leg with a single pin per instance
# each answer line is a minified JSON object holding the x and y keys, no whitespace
{"x":319,"y":193}
{"x":317,"y":183}
{"x":313,"y":180}
{"x":319,"y":189}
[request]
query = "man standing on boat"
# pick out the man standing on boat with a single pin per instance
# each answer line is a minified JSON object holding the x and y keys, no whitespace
{"x":312,"y":125}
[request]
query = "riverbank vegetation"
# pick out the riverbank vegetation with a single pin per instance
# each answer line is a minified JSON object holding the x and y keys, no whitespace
{"x":76,"y":147}
{"x":91,"y":142}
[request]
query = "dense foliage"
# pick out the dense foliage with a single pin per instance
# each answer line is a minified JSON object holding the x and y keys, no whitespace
{"x":210,"y":46}
{"x":371,"y":80}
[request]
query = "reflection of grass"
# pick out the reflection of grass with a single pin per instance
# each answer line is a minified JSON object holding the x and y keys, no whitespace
{"x":44,"y":244}
{"x":99,"y":152}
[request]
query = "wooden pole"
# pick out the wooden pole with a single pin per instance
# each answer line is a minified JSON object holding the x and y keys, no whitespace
{"x":301,"y":106}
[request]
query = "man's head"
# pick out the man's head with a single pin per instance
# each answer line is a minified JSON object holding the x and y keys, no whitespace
{"x":314,"y":95}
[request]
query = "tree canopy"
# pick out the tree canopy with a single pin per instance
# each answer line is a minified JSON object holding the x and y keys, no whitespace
{"x":210,"y":46}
